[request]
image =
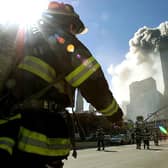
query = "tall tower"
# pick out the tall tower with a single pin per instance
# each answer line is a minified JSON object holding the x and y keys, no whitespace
{"x":163,"y":48}
{"x":79,"y":102}
{"x":144,"y":98}
{"x":91,"y":108}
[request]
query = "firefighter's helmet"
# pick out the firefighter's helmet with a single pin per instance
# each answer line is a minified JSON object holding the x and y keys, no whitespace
{"x":64,"y":13}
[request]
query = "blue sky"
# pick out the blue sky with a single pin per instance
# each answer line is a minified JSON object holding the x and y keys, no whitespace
{"x":112,"y":23}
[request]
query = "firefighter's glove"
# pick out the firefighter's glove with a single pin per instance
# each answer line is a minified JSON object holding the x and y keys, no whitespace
{"x":74,"y":153}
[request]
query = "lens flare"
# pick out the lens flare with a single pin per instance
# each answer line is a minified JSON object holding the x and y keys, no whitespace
{"x":163,"y":130}
{"x":70,"y":48}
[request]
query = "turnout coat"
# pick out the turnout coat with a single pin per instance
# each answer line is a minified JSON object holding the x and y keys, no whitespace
{"x":57,"y":59}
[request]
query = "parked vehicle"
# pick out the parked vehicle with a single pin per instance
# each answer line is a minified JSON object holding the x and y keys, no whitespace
{"x":120,"y":139}
{"x":107,"y":139}
{"x":92,"y":137}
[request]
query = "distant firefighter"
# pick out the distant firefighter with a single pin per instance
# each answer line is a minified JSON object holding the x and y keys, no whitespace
{"x":146,"y":138}
{"x":138,"y":136}
{"x":100,"y":139}
{"x":156,"y":137}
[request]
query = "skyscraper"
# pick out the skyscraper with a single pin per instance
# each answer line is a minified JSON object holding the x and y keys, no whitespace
{"x":163,"y":48}
{"x":144,"y":98}
{"x":79,"y":102}
{"x":91,"y":108}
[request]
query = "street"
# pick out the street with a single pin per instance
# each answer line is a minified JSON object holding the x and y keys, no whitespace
{"x":126,"y":156}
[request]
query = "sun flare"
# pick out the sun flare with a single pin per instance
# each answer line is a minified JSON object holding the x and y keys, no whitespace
{"x":21,"y":11}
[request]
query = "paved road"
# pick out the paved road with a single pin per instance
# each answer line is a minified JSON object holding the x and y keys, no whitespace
{"x":126,"y":156}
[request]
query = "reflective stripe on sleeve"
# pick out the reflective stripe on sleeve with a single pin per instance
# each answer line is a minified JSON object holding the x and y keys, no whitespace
{"x":38,"y":143}
{"x":3,"y":121}
{"x":111,"y":109}
{"x":7,"y":144}
{"x":82,"y":72}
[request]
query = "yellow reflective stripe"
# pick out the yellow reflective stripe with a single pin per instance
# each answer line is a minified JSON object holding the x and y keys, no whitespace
{"x":41,"y":69}
{"x":111,"y":109}
{"x":18,"y":116}
{"x":3,"y":121}
{"x":38,"y":67}
{"x":83,"y":72}
{"x":86,"y":76}
{"x":36,"y":72}
{"x":79,"y":69}
{"x":41,"y":63}
{"x":7,"y":144}
{"x":40,"y":144}
{"x":41,"y":137}
{"x":43,"y":151}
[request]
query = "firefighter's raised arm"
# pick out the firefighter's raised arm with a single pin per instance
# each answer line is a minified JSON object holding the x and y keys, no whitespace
{"x":87,"y":75}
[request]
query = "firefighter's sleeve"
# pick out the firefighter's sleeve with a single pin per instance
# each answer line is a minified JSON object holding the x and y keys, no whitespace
{"x":85,"y":73}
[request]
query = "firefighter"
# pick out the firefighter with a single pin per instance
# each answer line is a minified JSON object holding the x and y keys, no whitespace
{"x":100,"y":139}
{"x":146,"y":138}
{"x":156,"y":136}
{"x":139,"y":127}
{"x":138,"y":136}
{"x":54,"y":64}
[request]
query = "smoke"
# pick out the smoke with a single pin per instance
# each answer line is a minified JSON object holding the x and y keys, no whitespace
{"x":141,"y":62}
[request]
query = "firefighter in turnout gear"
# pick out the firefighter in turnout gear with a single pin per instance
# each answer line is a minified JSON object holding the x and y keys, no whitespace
{"x":138,"y":136}
{"x":100,"y":139}
{"x":146,"y":138}
{"x":54,"y":64}
{"x":139,"y":128}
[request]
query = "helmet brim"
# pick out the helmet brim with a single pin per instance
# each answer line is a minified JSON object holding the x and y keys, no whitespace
{"x":73,"y":17}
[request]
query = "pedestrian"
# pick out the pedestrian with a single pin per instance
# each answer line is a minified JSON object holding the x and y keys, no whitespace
{"x":132,"y":137}
{"x":156,"y":137}
{"x":138,"y":137}
{"x":146,"y":138}
{"x":100,"y":139}
{"x":34,"y":132}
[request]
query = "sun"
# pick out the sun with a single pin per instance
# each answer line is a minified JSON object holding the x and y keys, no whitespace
{"x":21,"y":11}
